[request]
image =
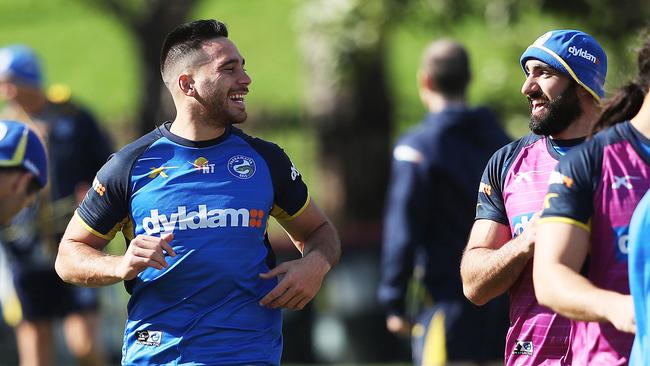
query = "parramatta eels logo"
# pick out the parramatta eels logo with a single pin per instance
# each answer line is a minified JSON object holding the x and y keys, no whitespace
{"x":241,"y":166}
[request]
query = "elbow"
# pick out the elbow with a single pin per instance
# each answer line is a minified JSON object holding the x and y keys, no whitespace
{"x":60,"y":266}
{"x":472,"y":290}
{"x":474,"y":295}
{"x":543,"y":292}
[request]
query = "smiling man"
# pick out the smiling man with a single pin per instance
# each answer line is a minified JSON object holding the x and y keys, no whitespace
{"x":565,"y":73}
{"x":194,"y":197}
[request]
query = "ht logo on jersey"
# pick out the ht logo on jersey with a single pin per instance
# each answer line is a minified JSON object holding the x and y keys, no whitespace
{"x":203,"y":165}
{"x":520,"y":222}
{"x":183,"y":219}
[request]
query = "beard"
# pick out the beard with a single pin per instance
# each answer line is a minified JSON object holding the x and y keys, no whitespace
{"x":560,"y":112}
{"x":217,"y":109}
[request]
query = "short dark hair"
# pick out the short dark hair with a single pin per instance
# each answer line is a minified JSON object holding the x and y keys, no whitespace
{"x":33,"y":186}
{"x":189,"y":37}
{"x":446,"y":63}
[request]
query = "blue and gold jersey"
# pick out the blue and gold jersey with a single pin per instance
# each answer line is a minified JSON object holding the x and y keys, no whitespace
{"x":216,"y":197}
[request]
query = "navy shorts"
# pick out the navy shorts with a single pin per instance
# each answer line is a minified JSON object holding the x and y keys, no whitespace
{"x":44,"y":296}
{"x":467,"y":332}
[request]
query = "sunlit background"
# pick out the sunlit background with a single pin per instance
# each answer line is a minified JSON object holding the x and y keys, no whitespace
{"x":334,"y":84}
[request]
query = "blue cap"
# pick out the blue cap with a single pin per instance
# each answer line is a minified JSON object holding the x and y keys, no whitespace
{"x":20,"y":64}
{"x":21,"y":147}
{"x":575,"y":54}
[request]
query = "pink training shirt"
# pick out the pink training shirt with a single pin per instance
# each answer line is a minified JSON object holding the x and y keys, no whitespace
{"x":602,"y":181}
{"x":513,"y":188}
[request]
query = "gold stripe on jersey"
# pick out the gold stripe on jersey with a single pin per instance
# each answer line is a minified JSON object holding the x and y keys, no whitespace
{"x":567,"y":220}
{"x":108,"y":236}
{"x":281,"y":214}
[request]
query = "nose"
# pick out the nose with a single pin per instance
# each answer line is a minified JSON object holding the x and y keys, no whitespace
{"x":245,"y":79}
{"x":530,"y":85}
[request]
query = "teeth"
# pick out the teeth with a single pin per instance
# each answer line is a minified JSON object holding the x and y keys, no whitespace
{"x":236,"y":96}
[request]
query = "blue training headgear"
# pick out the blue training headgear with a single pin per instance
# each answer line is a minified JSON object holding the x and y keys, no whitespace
{"x":21,"y":147}
{"x":19,"y":64}
{"x":575,"y":54}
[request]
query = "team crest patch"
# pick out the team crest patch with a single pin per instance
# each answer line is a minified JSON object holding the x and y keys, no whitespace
{"x":148,"y":337}
{"x":241,"y":166}
{"x":523,"y":348}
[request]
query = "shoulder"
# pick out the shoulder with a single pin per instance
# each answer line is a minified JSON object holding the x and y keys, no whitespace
{"x":269,"y":151}
{"x":513,"y":148}
{"x":126,"y":156}
{"x":590,"y":153}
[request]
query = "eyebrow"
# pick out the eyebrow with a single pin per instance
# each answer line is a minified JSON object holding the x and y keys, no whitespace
{"x":541,"y":67}
{"x":232,"y":61}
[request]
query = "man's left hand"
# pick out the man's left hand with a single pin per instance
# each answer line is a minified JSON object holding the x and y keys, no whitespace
{"x":301,"y":281}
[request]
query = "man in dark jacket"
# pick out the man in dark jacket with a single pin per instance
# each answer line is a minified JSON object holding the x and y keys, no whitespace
{"x":430,"y":209}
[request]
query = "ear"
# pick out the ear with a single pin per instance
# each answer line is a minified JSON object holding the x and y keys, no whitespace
{"x":186,"y":84}
{"x":425,"y":81}
{"x":20,"y":182}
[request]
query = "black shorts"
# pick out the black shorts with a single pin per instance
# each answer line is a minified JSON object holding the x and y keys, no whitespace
{"x":44,"y":296}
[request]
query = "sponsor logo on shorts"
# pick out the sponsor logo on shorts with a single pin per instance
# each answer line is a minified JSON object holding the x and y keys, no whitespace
{"x":148,"y":337}
{"x":523,"y":348}
{"x":241,"y":166}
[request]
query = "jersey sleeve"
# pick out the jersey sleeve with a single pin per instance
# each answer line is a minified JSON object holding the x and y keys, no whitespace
{"x":571,"y":186}
{"x":291,"y":195}
{"x":105,"y":208}
{"x":490,"y":205}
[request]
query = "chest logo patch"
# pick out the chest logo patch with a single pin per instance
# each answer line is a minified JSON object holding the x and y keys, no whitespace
{"x":203,"y":165}
{"x":241,"y":166}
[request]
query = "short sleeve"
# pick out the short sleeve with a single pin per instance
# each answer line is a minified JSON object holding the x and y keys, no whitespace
{"x":290,"y":191}
{"x":571,"y":186}
{"x":490,"y":205}
{"x":105,"y":208}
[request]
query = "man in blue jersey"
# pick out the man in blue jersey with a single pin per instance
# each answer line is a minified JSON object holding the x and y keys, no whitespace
{"x":194,"y":197}
{"x":436,"y":169}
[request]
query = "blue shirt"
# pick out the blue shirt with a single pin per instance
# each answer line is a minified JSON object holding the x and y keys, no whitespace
{"x":216,"y":197}
{"x":639,"y":272}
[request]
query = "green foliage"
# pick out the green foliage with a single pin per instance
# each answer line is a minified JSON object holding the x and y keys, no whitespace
{"x":80,"y":47}
{"x":94,"y":54}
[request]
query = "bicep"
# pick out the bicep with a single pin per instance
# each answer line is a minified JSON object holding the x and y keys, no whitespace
{"x":561,"y":243}
{"x":78,"y":233}
{"x":304,"y":224}
{"x":488,"y":234}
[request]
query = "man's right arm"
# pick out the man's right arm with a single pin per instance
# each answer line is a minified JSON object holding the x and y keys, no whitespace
{"x":493,"y":260}
{"x":80,"y":260}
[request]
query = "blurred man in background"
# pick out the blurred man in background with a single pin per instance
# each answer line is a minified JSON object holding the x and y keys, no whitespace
{"x":23,"y":168}
{"x":436,"y":170}
{"x":77,"y":149}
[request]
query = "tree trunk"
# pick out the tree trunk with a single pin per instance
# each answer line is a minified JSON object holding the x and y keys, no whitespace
{"x":348,"y":104}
